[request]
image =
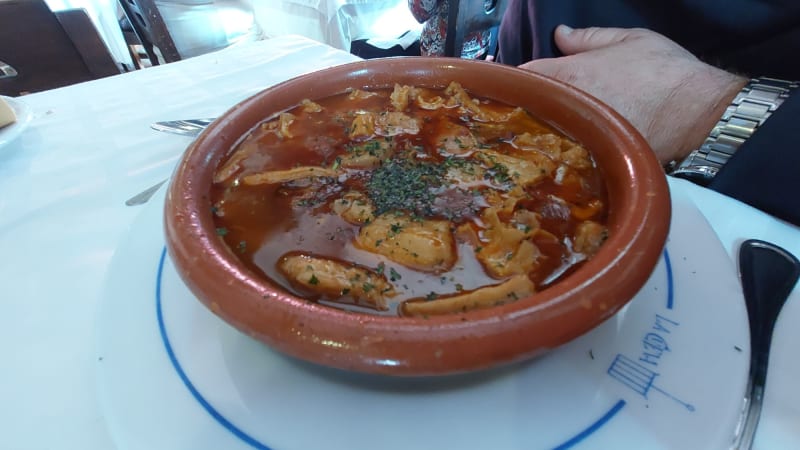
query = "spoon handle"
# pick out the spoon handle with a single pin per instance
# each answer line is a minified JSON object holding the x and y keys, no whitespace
{"x":768,"y":274}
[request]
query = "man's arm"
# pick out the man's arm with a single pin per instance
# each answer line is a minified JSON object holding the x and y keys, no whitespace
{"x":744,"y":36}
{"x":672,"y":98}
{"x":675,"y":100}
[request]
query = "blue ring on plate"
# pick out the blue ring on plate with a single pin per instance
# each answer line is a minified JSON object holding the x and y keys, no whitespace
{"x":253,"y":442}
{"x":227,"y":424}
{"x":670,"y":286}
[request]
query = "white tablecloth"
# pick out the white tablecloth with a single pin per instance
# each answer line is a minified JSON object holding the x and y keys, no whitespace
{"x":64,"y":182}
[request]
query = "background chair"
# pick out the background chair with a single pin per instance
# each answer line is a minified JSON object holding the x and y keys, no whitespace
{"x":145,"y":26}
{"x":49,"y":50}
{"x":170,"y":30}
{"x":465,"y":16}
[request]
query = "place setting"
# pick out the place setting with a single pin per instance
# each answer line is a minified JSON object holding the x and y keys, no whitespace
{"x":397,"y":224}
{"x":632,"y":345}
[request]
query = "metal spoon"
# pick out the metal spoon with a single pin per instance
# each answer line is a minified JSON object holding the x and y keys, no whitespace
{"x":768,"y":274}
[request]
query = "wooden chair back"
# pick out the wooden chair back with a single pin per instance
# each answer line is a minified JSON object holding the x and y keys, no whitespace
{"x":49,"y":50}
{"x":150,"y":30}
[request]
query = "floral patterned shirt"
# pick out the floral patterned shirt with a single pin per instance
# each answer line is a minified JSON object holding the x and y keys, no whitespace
{"x":433,"y":13}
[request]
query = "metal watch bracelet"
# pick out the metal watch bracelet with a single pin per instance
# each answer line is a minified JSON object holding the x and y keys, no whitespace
{"x":748,"y":110}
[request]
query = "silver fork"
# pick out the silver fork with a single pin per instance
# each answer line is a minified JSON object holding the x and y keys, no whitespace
{"x":188,"y":127}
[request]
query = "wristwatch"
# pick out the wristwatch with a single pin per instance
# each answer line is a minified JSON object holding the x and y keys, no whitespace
{"x":748,"y":110}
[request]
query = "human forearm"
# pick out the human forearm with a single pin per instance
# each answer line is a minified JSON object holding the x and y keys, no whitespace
{"x":675,"y":100}
{"x":669,"y":96}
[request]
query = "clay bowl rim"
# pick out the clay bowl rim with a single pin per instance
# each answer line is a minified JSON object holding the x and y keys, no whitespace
{"x":635,"y":242}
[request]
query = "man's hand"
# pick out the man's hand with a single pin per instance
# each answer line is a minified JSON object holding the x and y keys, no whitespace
{"x":670,"y":96}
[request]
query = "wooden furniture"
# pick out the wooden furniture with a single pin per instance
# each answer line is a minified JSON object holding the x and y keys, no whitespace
{"x":149,"y":29}
{"x":49,"y":50}
{"x":465,"y":16}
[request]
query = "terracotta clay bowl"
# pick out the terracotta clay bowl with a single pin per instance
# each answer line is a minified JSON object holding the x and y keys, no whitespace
{"x":639,"y":217}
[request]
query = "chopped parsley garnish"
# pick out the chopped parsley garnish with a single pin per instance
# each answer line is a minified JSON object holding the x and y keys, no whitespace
{"x":370,"y":147}
{"x":222,"y":231}
{"x":431,"y":296}
{"x":313,"y":280}
{"x":393,"y":275}
{"x":405,"y":185}
{"x":394,"y":229}
{"x":462,"y":164}
{"x":498,"y":173}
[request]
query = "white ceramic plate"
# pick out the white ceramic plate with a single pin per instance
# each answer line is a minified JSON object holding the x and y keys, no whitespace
{"x":668,"y":371}
{"x":24,"y":115}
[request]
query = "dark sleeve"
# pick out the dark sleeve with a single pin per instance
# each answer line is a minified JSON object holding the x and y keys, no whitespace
{"x":752,"y":37}
{"x":765,"y":171}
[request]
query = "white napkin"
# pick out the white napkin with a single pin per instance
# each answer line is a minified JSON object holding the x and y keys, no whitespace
{"x":7,"y":116}
{"x":404,"y":41}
